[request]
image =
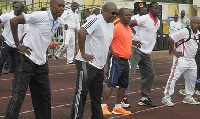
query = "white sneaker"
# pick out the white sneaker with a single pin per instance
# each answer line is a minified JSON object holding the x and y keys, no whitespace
{"x":190,"y":101}
{"x":167,"y":101}
{"x":197,"y":92}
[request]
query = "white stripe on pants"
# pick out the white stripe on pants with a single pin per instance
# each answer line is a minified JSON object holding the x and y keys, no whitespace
{"x":188,"y":68}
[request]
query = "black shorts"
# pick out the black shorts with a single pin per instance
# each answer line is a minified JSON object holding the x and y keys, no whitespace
{"x":118,"y":73}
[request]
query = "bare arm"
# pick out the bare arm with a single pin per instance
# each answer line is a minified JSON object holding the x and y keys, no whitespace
{"x":81,"y":42}
{"x":14,"y":28}
{"x":76,"y":48}
{"x":171,"y":44}
{"x":132,"y":23}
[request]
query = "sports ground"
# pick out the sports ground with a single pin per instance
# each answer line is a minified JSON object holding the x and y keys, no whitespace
{"x":63,"y":80}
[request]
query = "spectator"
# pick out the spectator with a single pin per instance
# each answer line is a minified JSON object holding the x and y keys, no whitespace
{"x":71,"y":26}
{"x":184,"y":20}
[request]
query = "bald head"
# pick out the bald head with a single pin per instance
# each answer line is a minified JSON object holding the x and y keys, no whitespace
{"x":195,"y":23}
{"x":194,"y":18}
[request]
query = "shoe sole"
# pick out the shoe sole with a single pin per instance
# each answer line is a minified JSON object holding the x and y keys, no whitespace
{"x":166,"y":104}
{"x":119,"y":113}
{"x":191,"y":103}
{"x":142,"y":104}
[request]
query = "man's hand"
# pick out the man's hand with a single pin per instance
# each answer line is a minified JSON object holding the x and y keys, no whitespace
{"x":88,"y":58}
{"x":115,"y":56}
{"x":178,"y":54}
{"x":137,"y":44}
{"x":65,"y":26}
{"x":23,"y":49}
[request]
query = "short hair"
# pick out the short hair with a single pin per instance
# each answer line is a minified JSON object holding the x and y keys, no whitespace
{"x":150,"y":5}
{"x":43,"y":9}
{"x":121,"y":10}
{"x":21,"y":4}
{"x":107,"y":5}
{"x":14,"y":2}
{"x":74,"y":3}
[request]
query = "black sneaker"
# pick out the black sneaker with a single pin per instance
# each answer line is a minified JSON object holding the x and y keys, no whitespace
{"x":147,"y":102}
{"x":125,"y":103}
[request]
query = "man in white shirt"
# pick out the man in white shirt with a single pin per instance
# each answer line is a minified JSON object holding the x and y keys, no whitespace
{"x":94,"y":40}
{"x":174,"y":26}
{"x":72,"y":21}
{"x":33,"y":68}
{"x":142,"y":11}
{"x":8,"y":46}
{"x":183,"y":62}
{"x":145,"y":39}
{"x":184,"y":20}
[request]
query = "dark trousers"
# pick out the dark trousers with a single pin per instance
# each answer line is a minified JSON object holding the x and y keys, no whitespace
{"x":197,"y":59}
{"x":9,"y":64}
{"x":36,"y":76}
{"x":89,"y":78}
{"x":5,"y":51}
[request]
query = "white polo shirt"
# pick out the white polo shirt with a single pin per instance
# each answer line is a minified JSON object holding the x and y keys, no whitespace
{"x":71,"y":19}
{"x":100,"y":35}
{"x":188,"y":48}
{"x":42,"y":28}
{"x":147,"y":32}
{"x":7,"y":33}
{"x":174,"y":26}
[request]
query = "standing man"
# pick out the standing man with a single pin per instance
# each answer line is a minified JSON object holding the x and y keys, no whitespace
{"x":174,"y":26}
{"x":94,"y":40}
{"x":142,"y":11}
{"x":184,"y":20}
{"x":183,"y":62}
{"x":145,"y":38}
{"x":33,"y":68}
{"x":8,"y":46}
{"x":71,"y":26}
{"x":118,"y":65}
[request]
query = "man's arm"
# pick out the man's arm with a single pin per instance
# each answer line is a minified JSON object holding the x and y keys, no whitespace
{"x":14,"y":28}
{"x":132,"y":23}
{"x":81,"y":42}
{"x":171,"y":44}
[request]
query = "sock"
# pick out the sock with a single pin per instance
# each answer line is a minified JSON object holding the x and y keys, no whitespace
{"x":143,"y":98}
{"x":118,"y":106}
{"x":103,"y":105}
{"x":167,"y":96}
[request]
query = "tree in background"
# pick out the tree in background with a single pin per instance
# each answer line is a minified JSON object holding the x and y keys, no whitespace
{"x":172,"y":1}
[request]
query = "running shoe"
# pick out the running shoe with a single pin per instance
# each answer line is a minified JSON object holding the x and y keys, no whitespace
{"x":120,"y":110}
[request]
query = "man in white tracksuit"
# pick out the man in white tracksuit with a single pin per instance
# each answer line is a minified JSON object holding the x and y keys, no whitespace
{"x":71,"y":25}
{"x":183,"y":62}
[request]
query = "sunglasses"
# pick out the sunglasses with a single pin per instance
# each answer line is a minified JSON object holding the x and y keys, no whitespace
{"x":114,"y":13}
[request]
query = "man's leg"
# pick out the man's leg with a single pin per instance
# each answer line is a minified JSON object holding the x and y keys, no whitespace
{"x":8,"y":64}
{"x":40,"y":92}
{"x":147,"y":74}
{"x":96,"y":89}
{"x":64,"y":45}
{"x":176,"y":72}
{"x":71,"y":48}
{"x":82,"y":87}
{"x":25,"y":71}
{"x":6,"y":49}
{"x":134,"y":60}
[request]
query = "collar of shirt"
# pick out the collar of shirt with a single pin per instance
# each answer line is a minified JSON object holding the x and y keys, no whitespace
{"x":55,"y":23}
{"x":154,"y":19}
